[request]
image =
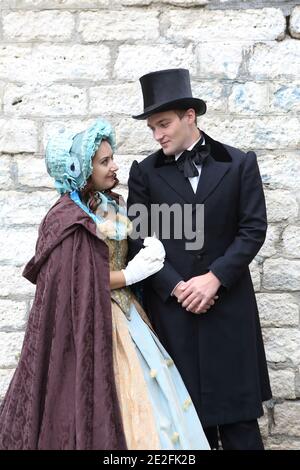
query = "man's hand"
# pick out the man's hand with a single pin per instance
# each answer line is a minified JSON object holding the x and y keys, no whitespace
{"x":178,"y":291}
{"x":198,"y":294}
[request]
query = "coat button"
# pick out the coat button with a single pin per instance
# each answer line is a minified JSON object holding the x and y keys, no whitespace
{"x":153,"y":373}
{"x":199,"y":256}
{"x":175,"y":437}
{"x":187,"y":403}
{"x":169,"y":362}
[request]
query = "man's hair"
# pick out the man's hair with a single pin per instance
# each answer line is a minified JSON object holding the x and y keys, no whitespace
{"x":181,"y":112}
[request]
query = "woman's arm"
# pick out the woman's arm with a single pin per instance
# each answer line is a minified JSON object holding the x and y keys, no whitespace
{"x":117,"y":280}
{"x":148,"y":261}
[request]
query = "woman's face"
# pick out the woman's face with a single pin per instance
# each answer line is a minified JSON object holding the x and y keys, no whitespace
{"x":104,"y":168}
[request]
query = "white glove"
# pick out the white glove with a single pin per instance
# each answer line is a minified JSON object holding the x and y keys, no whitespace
{"x":156,"y":248}
{"x":147,"y":261}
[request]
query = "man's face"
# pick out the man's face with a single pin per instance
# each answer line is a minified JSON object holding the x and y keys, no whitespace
{"x":171,"y":132}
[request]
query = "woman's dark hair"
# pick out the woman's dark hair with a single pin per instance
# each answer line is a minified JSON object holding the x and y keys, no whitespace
{"x":90,"y":196}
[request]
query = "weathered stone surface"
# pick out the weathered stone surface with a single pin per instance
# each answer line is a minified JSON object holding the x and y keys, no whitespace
{"x":281,"y":205}
{"x":291,"y":241}
{"x":222,"y":61}
{"x":255,"y":275}
{"x":287,"y":419}
{"x":134,"y":135}
{"x":278,"y":309}
{"x":282,"y":345}
{"x":10,"y":348}
{"x":282,"y":443}
{"x":20,"y":208}
{"x":74,"y":62}
{"x":12,"y":284}
{"x":213,"y":93}
{"x":124,"y":192}
{"x":5,"y":378}
{"x":269,"y":248}
{"x":275,"y":60}
{"x":183,"y":3}
{"x":56,"y":4}
{"x":278,"y":171}
{"x":298,"y":383}
{"x":124,"y":163}
{"x":264,"y":426}
{"x":38,"y":26}
{"x":14,"y":58}
{"x":55,"y":100}
{"x":32,"y":172}
{"x":248,"y":98}
{"x":49,"y":63}
{"x":249,"y":134}
{"x":12,"y":315}
{"x":281,"y":274}
{"x":283,"y":383}
{"x":18,"y":135}
{"x":136,"y":2}
{"x":118,"y":25}
{"x":115,"y":99}
{"x":17,"y":246}
{"x":2,"y":85}
{"x":285,"y":97}
{"x":180,"y":3}
{"x":134,"y":61}
{"x":6,"y":181}
{"x":219,"y":25}
{"x":294,"y":26}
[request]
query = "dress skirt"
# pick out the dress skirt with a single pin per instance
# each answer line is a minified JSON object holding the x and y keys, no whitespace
{"x":157,"y":411}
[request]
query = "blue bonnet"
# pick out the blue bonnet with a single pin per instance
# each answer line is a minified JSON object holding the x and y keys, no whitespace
{"x":69,"y":155}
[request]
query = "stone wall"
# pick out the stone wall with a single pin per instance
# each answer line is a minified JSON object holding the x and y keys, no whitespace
{"x":64,"y":62}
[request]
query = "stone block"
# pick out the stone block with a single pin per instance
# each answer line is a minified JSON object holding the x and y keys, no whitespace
{"x":281,"y":274}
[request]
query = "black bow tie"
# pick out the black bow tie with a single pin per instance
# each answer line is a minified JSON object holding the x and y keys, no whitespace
{"x":189,"y":158}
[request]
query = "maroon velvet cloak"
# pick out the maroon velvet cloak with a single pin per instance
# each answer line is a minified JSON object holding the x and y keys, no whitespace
{"x":63,"y":394}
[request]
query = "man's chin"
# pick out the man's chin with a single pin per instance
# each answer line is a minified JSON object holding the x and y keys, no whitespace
{"x":167,"y":152}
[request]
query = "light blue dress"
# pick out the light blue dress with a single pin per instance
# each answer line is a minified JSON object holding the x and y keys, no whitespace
{"x":176,"y":419}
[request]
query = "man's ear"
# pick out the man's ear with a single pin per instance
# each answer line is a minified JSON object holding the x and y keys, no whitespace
{"x":191,"y":115}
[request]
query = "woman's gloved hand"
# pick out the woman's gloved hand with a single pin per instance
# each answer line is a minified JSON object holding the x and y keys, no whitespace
{"x":147,"y":261}
{"x":156,"y":248}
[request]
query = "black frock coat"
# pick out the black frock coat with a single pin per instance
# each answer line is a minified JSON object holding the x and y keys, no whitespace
{"x":220,"y":354}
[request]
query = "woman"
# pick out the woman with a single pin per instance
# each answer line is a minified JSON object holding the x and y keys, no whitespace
{"x":92,"y":374}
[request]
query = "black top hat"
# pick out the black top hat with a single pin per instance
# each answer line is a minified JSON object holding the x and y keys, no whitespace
{"x":168,"y":89}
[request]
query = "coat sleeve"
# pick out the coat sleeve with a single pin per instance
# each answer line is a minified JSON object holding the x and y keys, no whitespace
{"x":252,"y":226}
{"x":166,"y":279}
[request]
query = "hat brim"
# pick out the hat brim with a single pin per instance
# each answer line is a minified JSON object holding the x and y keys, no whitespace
{"x":183,"y":103}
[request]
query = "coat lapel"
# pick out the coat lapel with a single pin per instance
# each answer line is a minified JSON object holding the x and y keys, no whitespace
{"x":176,"y":180}
{"x":211,"y":174}
{"x":213,"y":170}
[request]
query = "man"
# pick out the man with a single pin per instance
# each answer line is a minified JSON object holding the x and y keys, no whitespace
{"x":202,"y":303}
